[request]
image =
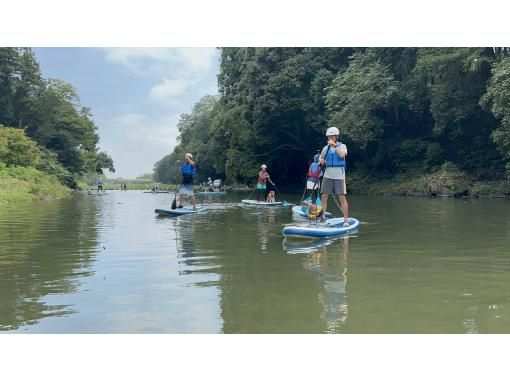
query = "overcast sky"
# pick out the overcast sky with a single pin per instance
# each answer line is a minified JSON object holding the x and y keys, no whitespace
{"x":136,"y":95}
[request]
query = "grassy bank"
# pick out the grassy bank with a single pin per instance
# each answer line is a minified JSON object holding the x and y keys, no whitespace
{"x":27,"y":184}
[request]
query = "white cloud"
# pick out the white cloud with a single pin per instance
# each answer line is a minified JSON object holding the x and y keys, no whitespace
{"x":167,"y":91}
{"x":176,"y":70}
{"x":187,"y":62}
{"x":136,"y":141}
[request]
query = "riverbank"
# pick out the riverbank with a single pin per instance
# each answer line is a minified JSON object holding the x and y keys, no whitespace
{"x":446,"y":182}
{"x":29,"y":184}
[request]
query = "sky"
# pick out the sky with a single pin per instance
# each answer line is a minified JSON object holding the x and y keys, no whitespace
{"x":136,"y":95}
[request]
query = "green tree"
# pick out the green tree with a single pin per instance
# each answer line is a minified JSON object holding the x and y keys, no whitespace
{"x":8,"y":64}
{"x":16,"y":149}
{"x":497,"y":100}
{"x":359,"y":98}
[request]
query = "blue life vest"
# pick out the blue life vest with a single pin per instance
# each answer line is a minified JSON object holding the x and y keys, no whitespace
{"x":188,"y":172}
{"x":333,"y":160}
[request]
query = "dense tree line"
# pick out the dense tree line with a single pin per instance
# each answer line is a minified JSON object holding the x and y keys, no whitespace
{"x":398,"y":110}
{"x":48,"y":113}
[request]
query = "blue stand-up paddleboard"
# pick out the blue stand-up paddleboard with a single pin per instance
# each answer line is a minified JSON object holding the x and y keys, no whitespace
{"x":332,"y":227}
{"x":179,"y":211}
{"x":303,"y":212}
{"x":211,"y":192}
{"x":256,"y":203}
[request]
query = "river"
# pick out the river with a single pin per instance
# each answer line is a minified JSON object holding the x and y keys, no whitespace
{"x":109,"y":264}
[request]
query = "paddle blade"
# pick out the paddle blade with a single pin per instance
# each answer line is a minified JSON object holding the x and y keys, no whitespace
{"x":174,"y":204}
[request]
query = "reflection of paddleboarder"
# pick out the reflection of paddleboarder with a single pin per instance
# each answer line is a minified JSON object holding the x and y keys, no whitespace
{"x":331,"y":268}
{"x":265,"y":222}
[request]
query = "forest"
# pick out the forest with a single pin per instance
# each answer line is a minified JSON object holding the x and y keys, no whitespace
{"x":399,"y":110}
{"x":45,"y":134}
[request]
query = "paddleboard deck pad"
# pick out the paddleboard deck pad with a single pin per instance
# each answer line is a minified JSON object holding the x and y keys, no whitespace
{"x":179,"y":211}
{"x":332,"y":227}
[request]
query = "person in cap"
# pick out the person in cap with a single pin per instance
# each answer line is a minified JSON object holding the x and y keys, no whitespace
{"x":188,"y":171}
{"x":262,"y":178}
{"x":332,"y":158}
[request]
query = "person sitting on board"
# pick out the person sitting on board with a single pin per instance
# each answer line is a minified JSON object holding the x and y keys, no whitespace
{"x":188,"y":172}
{"x":100,"y":184}
{"x":313,"y":180}
{"x":262,"y":177}
{"x":270,"y":197}
{"x":210,"y":184}
{"x":333,"y":160}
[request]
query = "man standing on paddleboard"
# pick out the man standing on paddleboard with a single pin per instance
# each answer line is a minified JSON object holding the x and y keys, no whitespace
{"x":333,"y":160}
{"x":188,"y":172}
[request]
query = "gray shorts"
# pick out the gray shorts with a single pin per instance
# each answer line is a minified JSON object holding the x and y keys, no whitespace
{"x":336,"y":186}
{"x":186,"y":190}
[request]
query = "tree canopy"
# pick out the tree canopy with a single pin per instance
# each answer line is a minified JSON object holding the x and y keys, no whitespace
{"x":398,"y":109}
{"x":49,"y":113}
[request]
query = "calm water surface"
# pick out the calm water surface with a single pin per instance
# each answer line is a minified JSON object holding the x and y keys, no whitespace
{"x":108,"y":264}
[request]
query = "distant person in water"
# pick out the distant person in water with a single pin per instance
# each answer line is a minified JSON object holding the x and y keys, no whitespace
{"x":262,"y":178}
{"x":100,"y":184}
{"x":333,"y":159}
{"x":188,"y":171}
{"x":210,"y":184}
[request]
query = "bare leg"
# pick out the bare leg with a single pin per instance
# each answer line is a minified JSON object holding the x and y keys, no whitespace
{"x":194,"y":202}
{"x":324,"y":204}
{"x":345,"y":207}
{"x":181,"y":199}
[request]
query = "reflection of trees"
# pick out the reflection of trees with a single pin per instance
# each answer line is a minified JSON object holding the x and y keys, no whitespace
{"x":45,"y":248}
{"x":329,"y":263}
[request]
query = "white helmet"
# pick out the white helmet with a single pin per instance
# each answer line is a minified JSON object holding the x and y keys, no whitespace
{"x":188,"y":155}
{"x":263,"y":167}
{"x":333,"y":131}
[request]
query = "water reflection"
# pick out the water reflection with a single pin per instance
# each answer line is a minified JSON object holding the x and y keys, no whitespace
{"x":327,"y":259}
{"x":265,"y":221}
{"x":43,"y":263}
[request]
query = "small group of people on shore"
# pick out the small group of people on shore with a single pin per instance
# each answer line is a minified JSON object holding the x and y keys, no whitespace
{"x":328,"y":165}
